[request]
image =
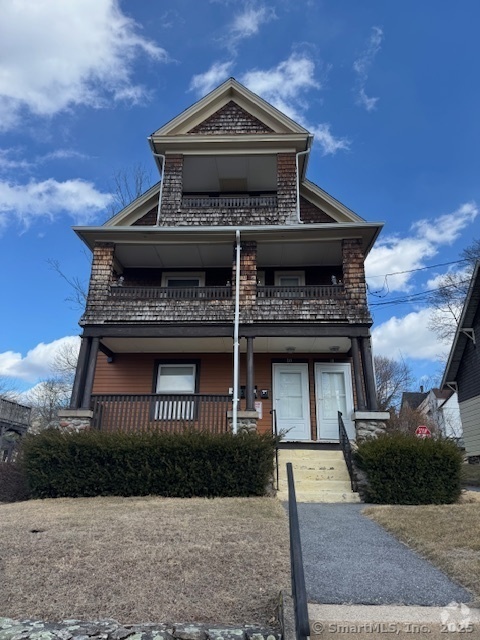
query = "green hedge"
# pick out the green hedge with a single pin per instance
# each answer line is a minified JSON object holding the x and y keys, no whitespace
{"x":92,"y":463}
{"x":13,"y":482}
{"x":404,"y":469}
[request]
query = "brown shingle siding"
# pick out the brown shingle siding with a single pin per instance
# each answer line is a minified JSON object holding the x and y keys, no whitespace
{"x":309,"y":213}
{"x":231,"y":119}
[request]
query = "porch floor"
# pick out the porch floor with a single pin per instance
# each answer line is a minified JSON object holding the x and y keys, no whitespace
{"x":320,"y":474}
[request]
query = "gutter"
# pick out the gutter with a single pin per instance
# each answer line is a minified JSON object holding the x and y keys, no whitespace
{"x":301,"y":153}
{"x":161,"y":169}
{"x":236,"y":345}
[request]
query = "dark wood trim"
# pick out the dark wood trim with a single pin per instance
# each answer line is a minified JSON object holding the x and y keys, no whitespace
{"x":159,"y":331}
{"x":218,"y":331}
{"x":369,"y":374}
{"x":357,"y":374}
{"x":108,"y":352}
{"x":250,"y":386}
{"x":90,"y":373}
{"x":302,"y":331}
{"x":79,"y":381}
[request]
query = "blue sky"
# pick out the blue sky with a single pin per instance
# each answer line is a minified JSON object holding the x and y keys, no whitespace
{"x":390,"y":90}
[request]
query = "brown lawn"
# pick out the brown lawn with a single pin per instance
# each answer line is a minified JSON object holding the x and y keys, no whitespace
{"x":144,"y":559}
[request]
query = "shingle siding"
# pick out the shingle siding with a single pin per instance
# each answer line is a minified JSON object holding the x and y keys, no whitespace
{"x":468,"y":378}
{"x":231,"y":119}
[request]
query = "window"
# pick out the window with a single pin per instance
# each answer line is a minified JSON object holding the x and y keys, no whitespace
{"x":175,"y":380}
{"x":289,"y":278}
{"x":183,"y":279}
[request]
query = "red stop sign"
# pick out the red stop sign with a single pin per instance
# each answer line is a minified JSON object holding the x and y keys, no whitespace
{"x":423,"y":432}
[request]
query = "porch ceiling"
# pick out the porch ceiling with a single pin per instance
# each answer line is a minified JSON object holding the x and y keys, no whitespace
{"x":221,"y":173}
{"x":284,"y":346}
{"x":270,"y":254}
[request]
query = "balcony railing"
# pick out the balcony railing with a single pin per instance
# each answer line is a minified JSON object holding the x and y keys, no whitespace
{"x":171,"y":293}
{"x":229,"y":202}
{"x":14,"y":414}
{"x":172,"y":413}
{"x":311,"y":292}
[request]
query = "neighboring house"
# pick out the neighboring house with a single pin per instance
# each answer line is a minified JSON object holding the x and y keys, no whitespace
{"x":234,"y":246}
{"x":412,"y":399}
{"x":14,"y":423}
{"x":441,"y":407}
{"x":462,"y":372}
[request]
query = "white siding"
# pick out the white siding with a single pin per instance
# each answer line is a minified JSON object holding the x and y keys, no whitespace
{"x":470,"y":413}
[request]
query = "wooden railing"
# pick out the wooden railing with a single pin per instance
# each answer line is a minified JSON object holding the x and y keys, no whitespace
{"x":311,"y":292}
{"x":160,"y":412}
{"x":228,"y":202}
{"x":14,"y":414}
{"x":171,"y":293}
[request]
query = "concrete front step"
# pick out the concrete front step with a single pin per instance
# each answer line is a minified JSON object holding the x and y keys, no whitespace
{"x":320,"y":495}
{"x":320,"y":476}
{"x":317,"y":485}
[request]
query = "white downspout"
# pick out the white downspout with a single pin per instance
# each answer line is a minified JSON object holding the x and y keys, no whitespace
{"x":158,"y":155}
{"x":236,"y":345}
{"x":300,"y":153}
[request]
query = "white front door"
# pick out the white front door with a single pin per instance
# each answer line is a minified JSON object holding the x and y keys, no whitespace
{"x":291,"y":400}
{"x":333,"y":387}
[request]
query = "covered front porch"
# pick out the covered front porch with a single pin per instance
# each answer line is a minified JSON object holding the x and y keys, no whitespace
{"x":171,"y":378}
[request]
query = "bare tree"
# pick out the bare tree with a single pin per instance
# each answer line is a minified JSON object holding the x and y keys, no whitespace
{"x":8,"y":388}
{"x":448,"y":299}
{"x":46,"y":398}
{"x":127,"y":185}
{"x":78,"y":287}
{"x":407,"y":420}
{"x":393,"y":377}
{"x":65,"y":362}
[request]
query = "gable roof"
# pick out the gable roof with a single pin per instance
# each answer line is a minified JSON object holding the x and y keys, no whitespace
{"x":470,"y":308}
{"x":230,"y":90}
{"x":413,"y":398}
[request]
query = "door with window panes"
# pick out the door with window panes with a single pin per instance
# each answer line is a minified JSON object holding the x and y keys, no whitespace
{"x":333,"y":388}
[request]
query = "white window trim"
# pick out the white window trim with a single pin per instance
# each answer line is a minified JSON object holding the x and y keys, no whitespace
{"x":290,"y":274}
{"x":176,"y":366}
{"x":183,"y":275}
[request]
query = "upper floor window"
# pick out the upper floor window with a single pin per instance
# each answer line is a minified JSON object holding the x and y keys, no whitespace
{"x":290,"y":278}
{"x":183,"y":279}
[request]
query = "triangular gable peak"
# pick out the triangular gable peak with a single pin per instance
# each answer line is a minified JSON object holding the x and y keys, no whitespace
{"x":319,"y":206}
{"x":230,"y":91}
{"x":231,"y":119}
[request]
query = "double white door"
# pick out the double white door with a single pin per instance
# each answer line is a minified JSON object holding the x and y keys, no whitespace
{"x":291,"y":399}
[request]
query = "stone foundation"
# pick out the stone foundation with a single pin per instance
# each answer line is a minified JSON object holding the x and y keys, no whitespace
{"x":246,"y":421}
{"x":75,"y":420}
{"x":113,"y":630}
{"x":369,"y":424}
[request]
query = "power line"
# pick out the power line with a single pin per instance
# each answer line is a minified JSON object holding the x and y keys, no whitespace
{"x":417,"y":297}
{"x":432,"y":266}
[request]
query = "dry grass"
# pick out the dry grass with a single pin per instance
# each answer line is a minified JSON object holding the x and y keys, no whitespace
{"x":448,"y":535}
{"x":143,"y":559}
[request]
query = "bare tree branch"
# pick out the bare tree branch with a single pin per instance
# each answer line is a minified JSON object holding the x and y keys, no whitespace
{"x":393,"y":377}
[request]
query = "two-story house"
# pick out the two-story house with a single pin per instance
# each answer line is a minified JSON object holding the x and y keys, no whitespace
{"x":233,"y":286}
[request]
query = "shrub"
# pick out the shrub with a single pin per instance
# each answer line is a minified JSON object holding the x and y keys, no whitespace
{"x":92,"y":463}
{"x":13,"y":482}
{"x":404,"y":469}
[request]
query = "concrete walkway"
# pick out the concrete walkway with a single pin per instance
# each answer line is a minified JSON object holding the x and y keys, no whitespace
{"x":350,"y":559}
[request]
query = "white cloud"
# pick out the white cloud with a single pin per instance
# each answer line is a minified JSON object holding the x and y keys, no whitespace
{"x":248,"y":23}
{"x":395,"y":253}
{"x":37,"y":363}
{"x":57,"y":54}
{"x":203,"y":83}
{"x":362,"y":66}
{"x":25,"y":203}
{"x":9,"y":160}
{"x":407,"y":337}
{"x":284,"y":86}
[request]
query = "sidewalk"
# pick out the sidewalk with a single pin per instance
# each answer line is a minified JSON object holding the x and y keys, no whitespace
{"x":350,"y":559}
